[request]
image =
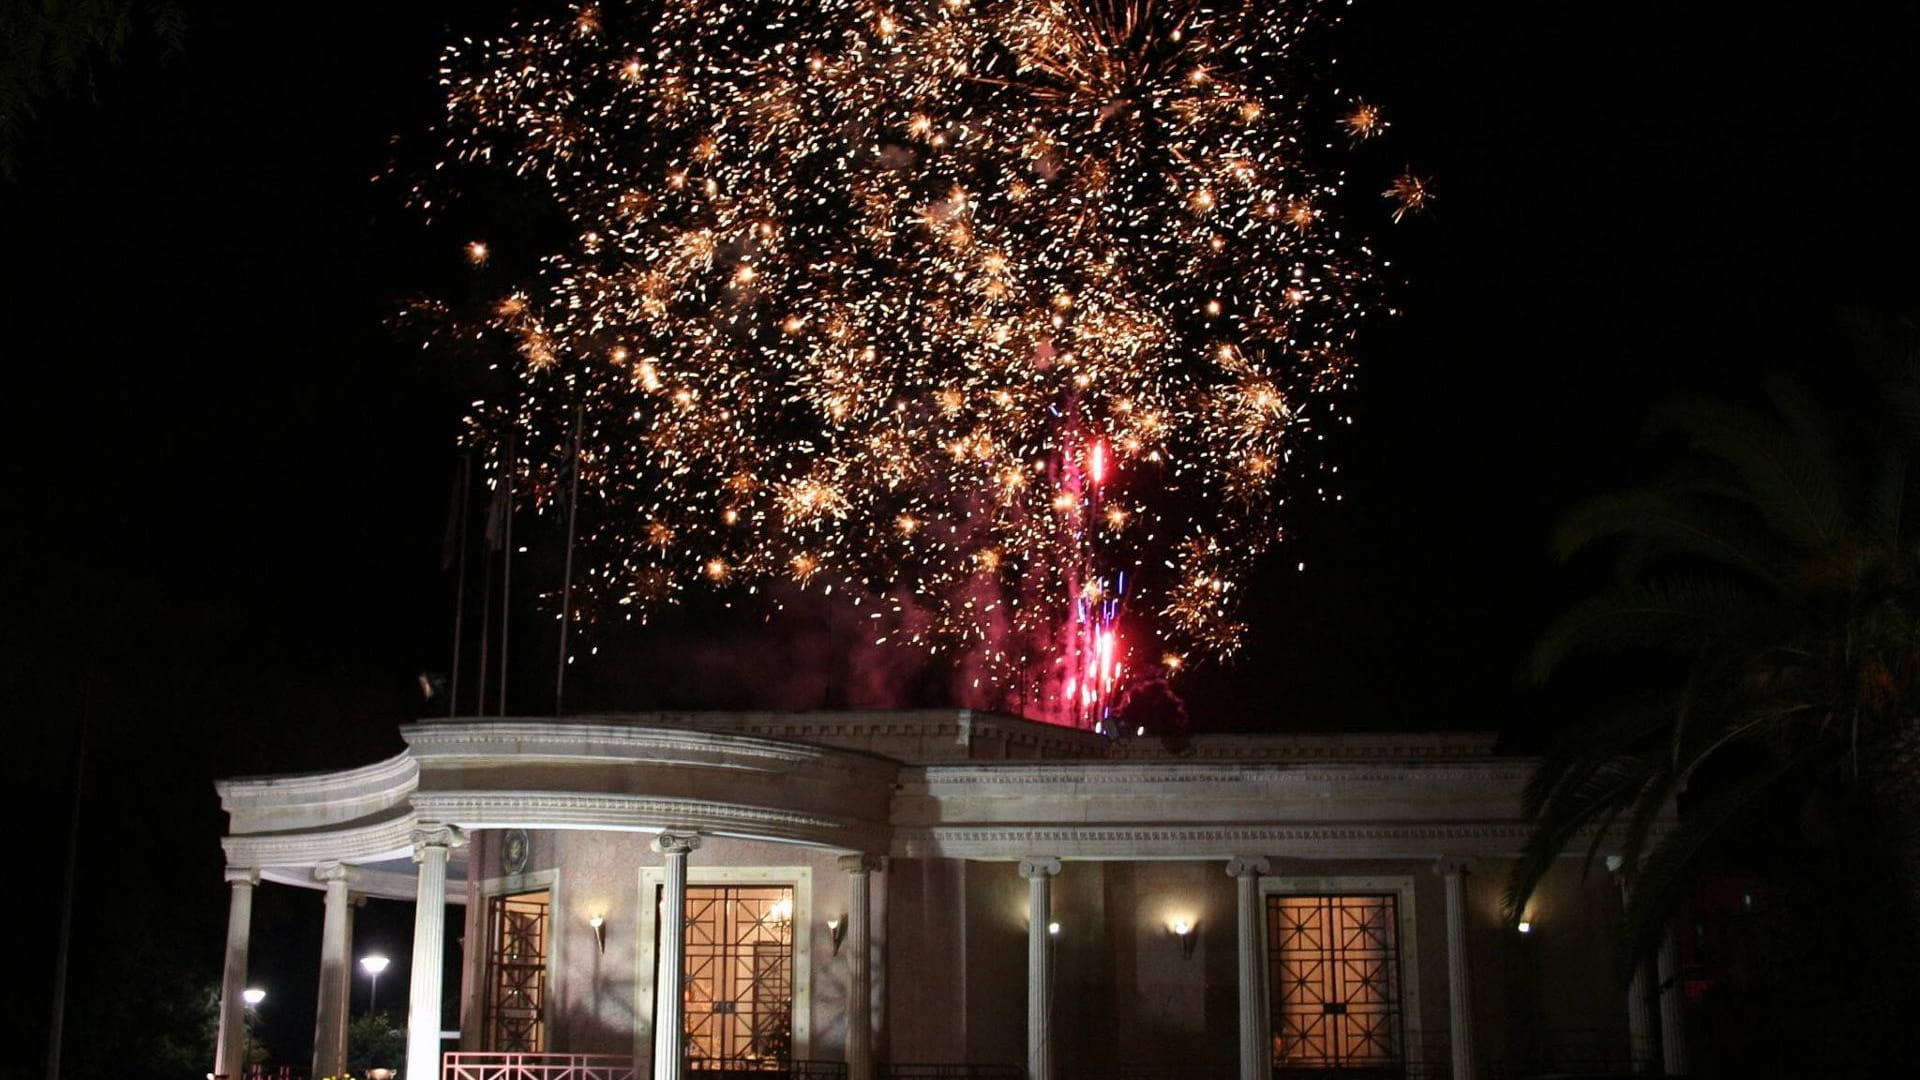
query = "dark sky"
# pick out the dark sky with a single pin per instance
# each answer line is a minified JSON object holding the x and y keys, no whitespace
{"x":226,"y":477}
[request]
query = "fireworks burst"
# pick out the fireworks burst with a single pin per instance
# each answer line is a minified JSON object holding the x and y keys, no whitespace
{"x":994,"y":311}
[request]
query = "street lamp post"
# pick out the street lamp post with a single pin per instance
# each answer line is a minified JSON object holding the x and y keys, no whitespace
{"x":252,"y":996}
{"x":374,"y":964}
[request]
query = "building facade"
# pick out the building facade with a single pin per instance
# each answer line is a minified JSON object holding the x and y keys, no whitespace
{"x":944,"y":893}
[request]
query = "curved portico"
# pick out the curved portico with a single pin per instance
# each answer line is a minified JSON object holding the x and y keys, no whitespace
{"x":395,"y":829}
{"x":903,"y":841}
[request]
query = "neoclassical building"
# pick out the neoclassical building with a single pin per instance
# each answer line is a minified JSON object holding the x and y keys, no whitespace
{"x":944,"y":893}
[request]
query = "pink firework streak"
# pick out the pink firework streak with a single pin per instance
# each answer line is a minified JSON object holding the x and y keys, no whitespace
{"x":1093,"y":655}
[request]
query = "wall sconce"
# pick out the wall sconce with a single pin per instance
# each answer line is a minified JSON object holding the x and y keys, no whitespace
{"x":599,"y":924}
{"x":1184,"y":930}
{"x":836,"y":930}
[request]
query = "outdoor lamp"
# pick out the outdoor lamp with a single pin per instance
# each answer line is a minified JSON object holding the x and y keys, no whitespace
{"x":599,"y":924}
{"x":253,"y":996}
{"x":1183,"y":930}
{"x":1053,"y":929}
{"x":1524,"y":926}
{"x":836,"y":930}
{"x":373,"y":964}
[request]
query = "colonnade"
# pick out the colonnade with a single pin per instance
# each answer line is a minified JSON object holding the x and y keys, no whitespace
{"x":431,"y":845}
{"x":1255,"y":1015}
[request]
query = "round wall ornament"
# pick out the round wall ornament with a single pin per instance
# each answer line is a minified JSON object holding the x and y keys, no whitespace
{"x":514,"y":847}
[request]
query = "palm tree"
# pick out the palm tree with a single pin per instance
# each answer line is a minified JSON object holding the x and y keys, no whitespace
{"x":1766,"y":611}
{"x":53,"y":47}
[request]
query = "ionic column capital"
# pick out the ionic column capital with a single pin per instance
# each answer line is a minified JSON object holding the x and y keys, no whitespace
{"x":676,"y":843}
{"x":863,"y":864}
{"x":1248,"y":866}
{"x":333,"y":871}
{"x":1039,"y":866}
{"x":436,"y":836}
{"x":243,"y":875}
{"x":1450,"y":866}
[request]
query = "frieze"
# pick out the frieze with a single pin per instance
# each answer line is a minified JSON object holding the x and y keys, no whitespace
{"x":612,"y":810}
{"x":1197,"y":842}
{"x":1202,"y":841}
{"x":940,"y":777}
{"x":344,"y":843}
{"x":1184,"y":834}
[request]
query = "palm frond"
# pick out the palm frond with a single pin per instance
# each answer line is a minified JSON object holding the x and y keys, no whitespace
{"x":1590,"y":799}
{"x":1794,"y":486}
{"x":1661,"y":877}
{"x":1675,"y":614}
{"x":1677,"y":521}
{"x":1582,"y":786}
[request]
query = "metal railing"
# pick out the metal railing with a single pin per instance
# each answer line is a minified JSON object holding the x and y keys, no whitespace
{"x":930,"y":1071}
{"x":490,"y":1066}
{"x":708,"y":1069}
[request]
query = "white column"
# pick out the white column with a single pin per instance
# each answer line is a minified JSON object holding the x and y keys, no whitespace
{"x":430,"y":846}
{"x":231,"y":1045}
{"x":669,"y":1013}
{"x":336,"y":943}
{"x":1256,"y":1039}
{"x":1459,"y":980}
{"x":1639,"y":1015}
{"x":1039,"y":871}
{"x":1673,"y":1020}
{"x":1639,"y":1020}
{"x":860,"y":1024}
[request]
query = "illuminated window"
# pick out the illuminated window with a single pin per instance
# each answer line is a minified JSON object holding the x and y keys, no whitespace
{"x":517,"y":972}
{"x":739,"y":976}
{"x":1334,"y":971}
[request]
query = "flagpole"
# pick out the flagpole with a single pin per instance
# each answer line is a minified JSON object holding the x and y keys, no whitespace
{"x":460,"y":585}
{"x":506,"y":574}
{"x":56,"y":1031}
{"x":566,"y":574}
{"x":494,"y":514}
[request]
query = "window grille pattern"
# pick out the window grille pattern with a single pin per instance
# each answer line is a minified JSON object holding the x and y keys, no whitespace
{"x":1334,"y":974}
{"x":739,"y":972}
{"x":517,"y":973}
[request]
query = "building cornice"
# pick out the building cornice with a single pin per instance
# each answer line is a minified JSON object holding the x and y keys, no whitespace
{"x":393,"y":777}
{"x":572,"y":810}
{"x":522,"y":742}
{"x":1202,"y":841}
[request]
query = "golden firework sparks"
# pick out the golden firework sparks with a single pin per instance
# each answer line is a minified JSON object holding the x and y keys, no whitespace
{"x":1410,"y":194}
{"x":848,"y":286}
{"x":1363,"y":121}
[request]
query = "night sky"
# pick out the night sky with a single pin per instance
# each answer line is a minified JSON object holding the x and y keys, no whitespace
{"x":227,"y":477}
